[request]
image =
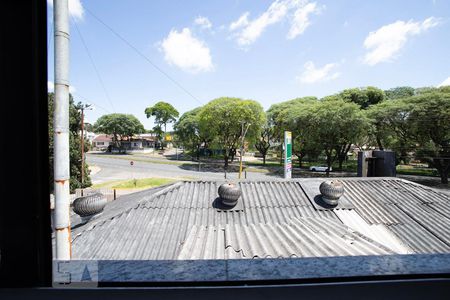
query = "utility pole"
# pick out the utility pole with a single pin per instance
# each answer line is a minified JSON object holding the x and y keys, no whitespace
{"x":61,"y":161}
{"x":83,"y":108}
{"x":243,"y":133}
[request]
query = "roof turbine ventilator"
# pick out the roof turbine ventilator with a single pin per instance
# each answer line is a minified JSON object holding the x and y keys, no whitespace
{"x":331,"y":191}
{"x":229,"y":193}
{"x":89,"y":205}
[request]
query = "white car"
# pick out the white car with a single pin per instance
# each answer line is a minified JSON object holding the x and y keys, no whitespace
{"x":319,"y":168}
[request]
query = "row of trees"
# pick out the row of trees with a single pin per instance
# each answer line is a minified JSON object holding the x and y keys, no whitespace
{"x":407,"y":120}
{"x":411,"y":122}
{"x":124,"y":126}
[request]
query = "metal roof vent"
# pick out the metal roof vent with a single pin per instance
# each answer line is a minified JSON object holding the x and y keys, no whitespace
{"x":229,"y":194}
{"x":90,"y":205}
{"x":331,"y":191}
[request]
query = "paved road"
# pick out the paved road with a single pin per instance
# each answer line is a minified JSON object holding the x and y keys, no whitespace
{"x":119,"y":169}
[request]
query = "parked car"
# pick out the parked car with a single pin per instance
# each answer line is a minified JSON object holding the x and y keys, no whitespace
{"x":319,"y":168}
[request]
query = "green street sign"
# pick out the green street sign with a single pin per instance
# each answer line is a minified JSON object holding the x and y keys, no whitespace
{"x":287,"y":155}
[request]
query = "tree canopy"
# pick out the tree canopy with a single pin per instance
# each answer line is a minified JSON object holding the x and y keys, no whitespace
{"x":188,"y":132}
{"x":224,"y":118}
{"x":121,"y":126}
{"x":163,"y":113}
{"x":364,"y":97}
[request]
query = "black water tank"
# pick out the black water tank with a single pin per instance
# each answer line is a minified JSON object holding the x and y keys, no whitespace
{"x":384,"y":163}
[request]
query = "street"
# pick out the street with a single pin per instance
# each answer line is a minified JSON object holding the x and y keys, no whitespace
{"x":107,"y":168}
{"x":121,"y":169}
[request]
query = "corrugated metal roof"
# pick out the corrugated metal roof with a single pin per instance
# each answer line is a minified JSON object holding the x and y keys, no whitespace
{"x":378,"y":232}
{"x":159,"y":224}
{"x":311,"y":188}
{"x":301,"y":237}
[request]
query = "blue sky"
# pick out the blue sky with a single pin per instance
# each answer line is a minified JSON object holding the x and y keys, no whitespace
{"x":269,"y":51}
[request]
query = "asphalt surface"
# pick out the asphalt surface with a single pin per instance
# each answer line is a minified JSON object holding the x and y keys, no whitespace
{"x":121,"y":169}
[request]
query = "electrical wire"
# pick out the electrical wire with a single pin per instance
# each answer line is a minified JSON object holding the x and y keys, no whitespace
{"x":144,"y":57}
{"x":94,"y":66}
{"x":90,"y":101}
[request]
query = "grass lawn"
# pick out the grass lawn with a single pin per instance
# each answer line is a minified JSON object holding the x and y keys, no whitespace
{"x":135,"y":183}
{"x":348,"y":166}
{"x":408,"y":170}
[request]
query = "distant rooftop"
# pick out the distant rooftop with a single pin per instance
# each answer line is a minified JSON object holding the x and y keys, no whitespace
{"x":376,"y":216}
{"x":103,"y":138}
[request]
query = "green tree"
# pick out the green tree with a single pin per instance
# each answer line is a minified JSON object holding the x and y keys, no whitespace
{"x":390,"y":127}
{"x":279,"y":118}
{"x":187,"y":129}
{"x":163,"y":113}
{"x":120,"y":126}
{"x":74,"y":145}
{"x":430,"y":119}
{"x":88,"y":127}
{"x":224,"y":117}
{"x":399,"y":92}
{"x":295,"y":117}
{"x":335,"y":125}
{"x":364,"y":97}
{"x":264,"y":141}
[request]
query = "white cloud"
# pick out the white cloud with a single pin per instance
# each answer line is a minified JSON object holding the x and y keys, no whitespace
{"x":203,"y":22}
{"x":51,"y":87}
{"x":301,"y":19}
{"x":76,"y":9}
{"x":183,"y":50}
{"x":386,"y":42}
{"x":445,"y":82}
{"x":313,"y":74}
{"x":297,"y":11}
{"x":241,"y":22}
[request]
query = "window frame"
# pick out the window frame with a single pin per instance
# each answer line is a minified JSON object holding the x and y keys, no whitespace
{"x":25,"y":232}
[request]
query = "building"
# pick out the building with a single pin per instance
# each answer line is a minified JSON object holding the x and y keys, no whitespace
{"x":101,"y":142}
{"x":273,"y":219}
{"x":140,"y":143}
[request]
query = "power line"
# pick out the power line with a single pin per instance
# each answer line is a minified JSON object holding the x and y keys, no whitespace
{"x":94,"y":66}
{"x":86,"y":100}
{"x":144,"y":57}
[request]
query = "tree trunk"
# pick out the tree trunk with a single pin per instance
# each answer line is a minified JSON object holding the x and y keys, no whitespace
{"x":225,"y":158}
{"x":444,"y":177}
{"x":443,"y":171}
{"x":264,"y":159}
{"x":341,"y":161}
{"x":198,"y":152}
{"x":380,"y":145}
{"x":342,"y":154}
{"x":328,"y":162}
{"x":232,"y":154}
{"x":300,"y":158}
{"x":281,"y":155}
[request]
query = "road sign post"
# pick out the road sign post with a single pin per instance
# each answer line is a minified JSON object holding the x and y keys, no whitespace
{"x":287,"y":155}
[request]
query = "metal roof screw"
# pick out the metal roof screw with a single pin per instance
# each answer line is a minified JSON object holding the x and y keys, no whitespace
{"x":331,"y":191}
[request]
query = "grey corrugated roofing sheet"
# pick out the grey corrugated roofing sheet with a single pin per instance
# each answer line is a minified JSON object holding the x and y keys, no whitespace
{"x":300,"y":237}
{"x":159,"y":224}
